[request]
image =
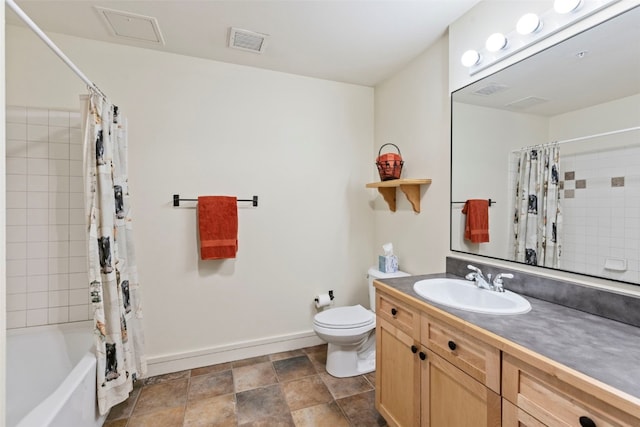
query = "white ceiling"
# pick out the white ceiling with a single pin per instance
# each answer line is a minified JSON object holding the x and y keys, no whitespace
{"x":353,"y":41}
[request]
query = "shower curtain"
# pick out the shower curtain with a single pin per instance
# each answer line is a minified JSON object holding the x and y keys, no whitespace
{"x":113,"y":278}
{"x":538,"y":216}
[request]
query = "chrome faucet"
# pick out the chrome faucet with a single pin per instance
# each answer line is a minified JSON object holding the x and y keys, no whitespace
{"x":486,"y":283}
{"x":478,"y":278}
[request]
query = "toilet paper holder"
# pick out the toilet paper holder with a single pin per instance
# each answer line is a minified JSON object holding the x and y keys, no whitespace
{"x":330,"y":296}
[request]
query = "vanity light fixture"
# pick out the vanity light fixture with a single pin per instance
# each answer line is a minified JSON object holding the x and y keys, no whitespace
{"x":496,"y":42}
{"x":531,"y":28}
{"x":529,"y":23}
{"x":470,"y":58}
{"x":566,"y":6}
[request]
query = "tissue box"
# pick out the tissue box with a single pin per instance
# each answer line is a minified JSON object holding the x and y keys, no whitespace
{"x":388,"y":263}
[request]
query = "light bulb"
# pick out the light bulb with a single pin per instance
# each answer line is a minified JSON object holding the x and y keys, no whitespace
{"x":495,"y":42}
{"x":528,"y":24}
{"x":566,"y":6}
{"x":470,"y":58}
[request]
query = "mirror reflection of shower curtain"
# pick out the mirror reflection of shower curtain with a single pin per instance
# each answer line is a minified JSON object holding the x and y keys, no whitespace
{"x":537,"y":223}
{"x":113,"y":278}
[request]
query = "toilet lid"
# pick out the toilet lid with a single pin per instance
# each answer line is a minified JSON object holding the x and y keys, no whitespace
{"x":344,"y":317}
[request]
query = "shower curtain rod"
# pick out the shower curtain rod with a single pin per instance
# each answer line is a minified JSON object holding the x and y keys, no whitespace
{"x":596,"y":135}
{"x":53,"y":46}
{"x":580,"y":138}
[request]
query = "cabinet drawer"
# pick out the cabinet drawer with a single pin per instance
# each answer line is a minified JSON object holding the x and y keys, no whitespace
{"x":398,"y":314}
{"x":476,"y":358}
{"x":553,"y":401}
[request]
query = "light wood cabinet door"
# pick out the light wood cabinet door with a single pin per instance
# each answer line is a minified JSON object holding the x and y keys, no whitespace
{"x":397,"y":375}
{"x":452,"y":398}
{"x":512,"y":416}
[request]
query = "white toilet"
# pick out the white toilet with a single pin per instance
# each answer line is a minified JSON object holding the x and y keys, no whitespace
{"x":350,"y":332}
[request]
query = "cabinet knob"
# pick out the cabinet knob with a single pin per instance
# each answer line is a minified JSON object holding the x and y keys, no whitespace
{"x":452,"y":345}
{"x":394,"y":311}
{"x":422,"y":355}
{"x":586,"y":422}
{"x":414,"y":349}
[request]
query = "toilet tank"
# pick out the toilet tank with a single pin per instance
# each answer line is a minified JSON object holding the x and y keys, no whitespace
{"x":373,"y":274}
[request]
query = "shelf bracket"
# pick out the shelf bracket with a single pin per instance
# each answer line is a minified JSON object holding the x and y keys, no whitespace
{"x":389,"y":196}
{"x":410,"y":188}
{"x":412,"y":191}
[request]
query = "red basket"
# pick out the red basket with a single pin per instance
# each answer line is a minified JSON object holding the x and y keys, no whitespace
{"x":389,"y":164}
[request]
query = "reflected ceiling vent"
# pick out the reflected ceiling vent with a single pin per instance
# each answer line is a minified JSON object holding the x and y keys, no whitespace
{"x":524,"y":103}
{"x":490,"y":89}
{"x":132,"y":26}
{"x":247,"y":40}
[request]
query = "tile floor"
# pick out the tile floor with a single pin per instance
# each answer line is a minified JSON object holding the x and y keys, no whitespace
{"x":282,"y":389}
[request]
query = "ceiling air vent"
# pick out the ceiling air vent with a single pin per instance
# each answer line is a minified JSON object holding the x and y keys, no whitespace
{"x":490,"y":89}
{"x":132,"y":26}
{"x":525,"y":103}
{"x":247,"y":40}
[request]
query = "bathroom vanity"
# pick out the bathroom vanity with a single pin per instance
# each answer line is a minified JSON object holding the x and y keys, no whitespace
{"x":553,"y":366}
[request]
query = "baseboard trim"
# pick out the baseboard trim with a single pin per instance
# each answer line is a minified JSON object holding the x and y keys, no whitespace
{"x":165,"y":364}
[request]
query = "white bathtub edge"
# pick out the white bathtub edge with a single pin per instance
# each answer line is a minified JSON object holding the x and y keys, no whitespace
{"x":73,"y":401}
{"x":46,"y":410}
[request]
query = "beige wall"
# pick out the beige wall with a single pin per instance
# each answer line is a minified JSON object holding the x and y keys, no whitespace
{"x":412,"y":111}
{"x":198,"y":127}
{"x":623,"y":113}
{"x":3,"y":339}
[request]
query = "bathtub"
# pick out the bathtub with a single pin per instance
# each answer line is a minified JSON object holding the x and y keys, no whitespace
{"x":51,"y":377}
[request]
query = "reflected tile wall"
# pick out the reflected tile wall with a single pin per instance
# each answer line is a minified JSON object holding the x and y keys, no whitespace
{"x":601,"y":213}
{"x":46,"y":259}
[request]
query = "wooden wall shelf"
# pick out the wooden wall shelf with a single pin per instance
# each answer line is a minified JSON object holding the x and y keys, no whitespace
{"x":410,"y":188}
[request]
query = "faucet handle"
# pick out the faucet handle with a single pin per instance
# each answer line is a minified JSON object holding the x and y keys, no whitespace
{"x":474,"y":268}
{"x":499,"y":276}
{"x":497,"y":282}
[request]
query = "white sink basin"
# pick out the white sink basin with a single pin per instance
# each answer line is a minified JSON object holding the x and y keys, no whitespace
{"x":465,"y":295}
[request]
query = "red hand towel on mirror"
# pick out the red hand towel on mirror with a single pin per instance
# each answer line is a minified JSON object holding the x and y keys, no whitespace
{"x":218,"y":226}
{"x":476,"y":227}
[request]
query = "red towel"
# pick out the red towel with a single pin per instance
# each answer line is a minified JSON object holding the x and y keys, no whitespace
{"x":476,"y":228}
{"x":218,"y":225}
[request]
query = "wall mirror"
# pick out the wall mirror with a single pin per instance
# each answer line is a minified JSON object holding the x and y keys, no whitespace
{"x":554,"y":142}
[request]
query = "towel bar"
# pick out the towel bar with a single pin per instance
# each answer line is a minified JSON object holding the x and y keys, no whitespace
{"x":491,"y":202}
{"x":177,"y":200}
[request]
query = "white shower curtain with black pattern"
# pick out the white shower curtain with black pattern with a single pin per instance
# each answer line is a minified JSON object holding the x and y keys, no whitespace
{"x":537,"y":227}
{"x":113,"y":278}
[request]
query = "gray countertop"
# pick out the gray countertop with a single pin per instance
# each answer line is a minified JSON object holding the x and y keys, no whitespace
{"x":603,"y":349}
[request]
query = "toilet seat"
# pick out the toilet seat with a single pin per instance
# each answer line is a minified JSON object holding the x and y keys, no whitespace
{"x":355,"y":316}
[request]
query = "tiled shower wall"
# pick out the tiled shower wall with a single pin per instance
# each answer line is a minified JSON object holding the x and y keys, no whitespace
{"x":601,"y":206}
{"x":46,"y":255}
